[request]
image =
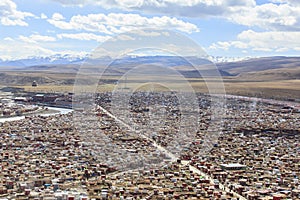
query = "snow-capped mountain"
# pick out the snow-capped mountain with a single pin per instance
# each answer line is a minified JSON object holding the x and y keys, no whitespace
{"x":222,"y":59}
{"x":56,"y":59}
{"x":59,"y":59}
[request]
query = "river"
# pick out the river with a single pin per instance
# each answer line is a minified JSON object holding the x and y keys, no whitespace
{"x":59,"y":111}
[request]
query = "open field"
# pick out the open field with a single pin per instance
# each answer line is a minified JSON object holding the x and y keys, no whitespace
{"x":280,"y":89}
{"x":269,"y":89}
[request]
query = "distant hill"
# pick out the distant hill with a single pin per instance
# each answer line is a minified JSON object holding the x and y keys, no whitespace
{"x":260,"y":64}
{"x":264,"y":69}
{"x":67,"y":59}
{"x":255,"y":69}
{"x":62,"y":68}
{"x":114,"y":66}
{"x":50,"y":60}
{"x":288,"y":73}
{"x":196,"y":74}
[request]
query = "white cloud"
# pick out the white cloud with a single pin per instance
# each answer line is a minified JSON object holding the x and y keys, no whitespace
{"x":9,"y":51}
{"x":131,"y":3}
{"x":37,"y":38}
{"x":43,"y":16}
{"x":276,"y":15}
{"x":291,"y":2}
{"x":8,"y":39}
{"x":277,"y":41}
{"x":167,"y":42}
{"x":262,"y":49}
{"x":84,"y":36}
{"x":172,"y":7}
{"x":115,"y":23}
{"x":273,"y":39}
{"x":294,"y":2}
{"x":73,"y":2}
{"x":57,"y":16}
{"x":10,"y":16}
{"x":124,"y":37}
{"x":283,"y":49}
{"x":189,"y":8}
{"x":297,"y":48}
{"x":220,"y":45}
{"x":270,"y":17}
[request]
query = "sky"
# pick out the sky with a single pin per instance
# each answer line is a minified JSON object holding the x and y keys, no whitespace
{"x":225,"y":28}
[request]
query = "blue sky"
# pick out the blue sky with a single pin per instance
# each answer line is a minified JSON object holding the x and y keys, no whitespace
{"x":226,"y":28}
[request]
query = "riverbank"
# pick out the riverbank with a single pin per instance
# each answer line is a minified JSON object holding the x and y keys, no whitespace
{"x":46,"y":111}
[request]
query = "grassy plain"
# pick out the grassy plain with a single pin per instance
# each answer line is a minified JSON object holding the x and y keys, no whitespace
{"x":277,"y":89}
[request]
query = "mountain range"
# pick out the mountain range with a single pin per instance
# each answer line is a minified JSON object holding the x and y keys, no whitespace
{"x":57,"y":59}
{"x":249,"y":69}
{"x":68,"y":59}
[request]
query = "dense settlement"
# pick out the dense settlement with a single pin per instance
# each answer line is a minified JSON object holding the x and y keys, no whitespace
{"x":90,"y":154}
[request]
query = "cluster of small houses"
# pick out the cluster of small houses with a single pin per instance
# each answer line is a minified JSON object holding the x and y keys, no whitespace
{"x":48,"y":99}
{"x":28,"y":103}
{"x":9,"y":107}
{"x":256,"y":156}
